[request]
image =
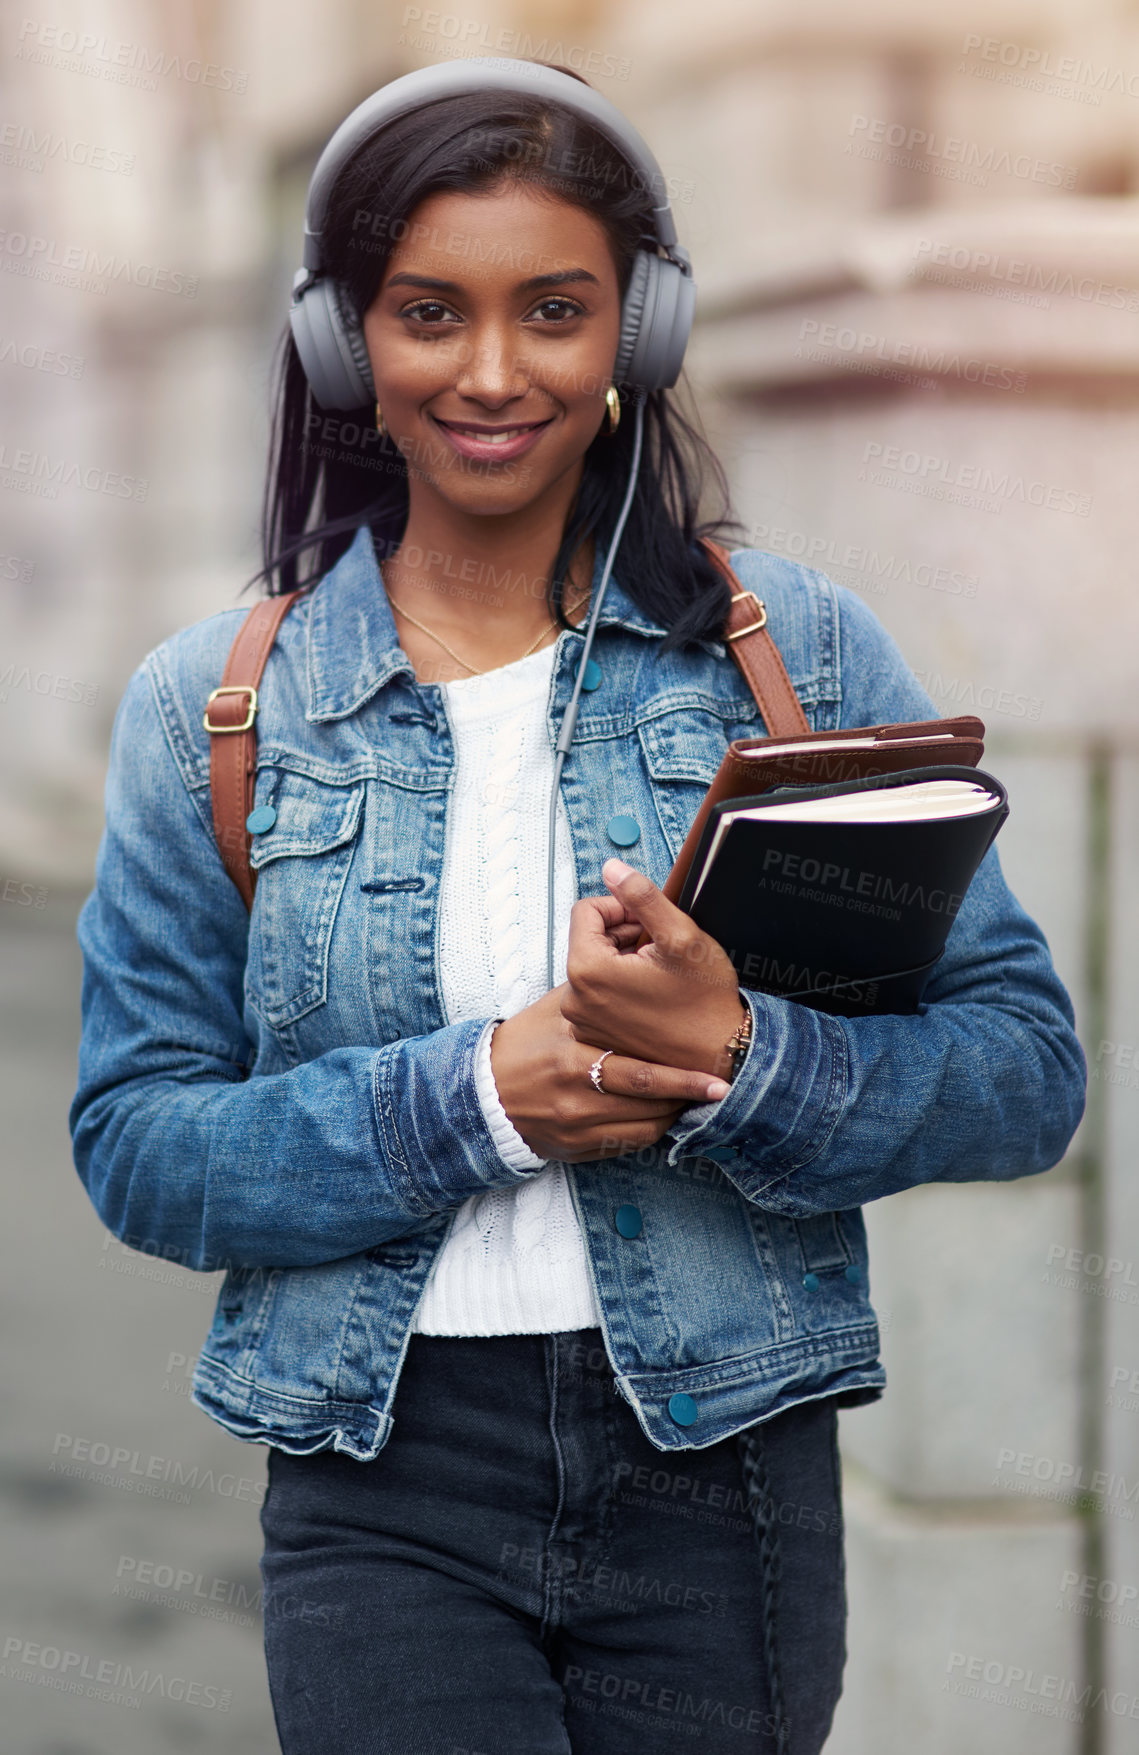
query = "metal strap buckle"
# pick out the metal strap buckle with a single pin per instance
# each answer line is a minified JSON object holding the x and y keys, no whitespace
{"x":231,"y":689}
{"x":761,"y":620}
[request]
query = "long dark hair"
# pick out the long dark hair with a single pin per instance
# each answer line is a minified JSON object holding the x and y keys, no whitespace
{"x":330,"y":473}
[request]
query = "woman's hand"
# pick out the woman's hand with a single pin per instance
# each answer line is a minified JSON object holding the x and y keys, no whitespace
{"x":542,"y":1075}
{"x":676,"y":1000}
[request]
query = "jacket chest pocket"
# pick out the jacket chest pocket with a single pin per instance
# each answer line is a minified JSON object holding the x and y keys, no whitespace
{"x":301,"y":862}
{"x":682,"y":752}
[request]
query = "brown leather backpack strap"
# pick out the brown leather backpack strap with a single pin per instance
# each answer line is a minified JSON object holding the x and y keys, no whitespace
{"x":229,"y":718}
{"x":757,"y":655}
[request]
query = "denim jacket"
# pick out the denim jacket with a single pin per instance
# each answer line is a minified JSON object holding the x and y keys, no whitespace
{"x":282,"y":1096}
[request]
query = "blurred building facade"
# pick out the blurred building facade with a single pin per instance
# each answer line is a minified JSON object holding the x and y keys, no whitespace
{"x":916,"y":240}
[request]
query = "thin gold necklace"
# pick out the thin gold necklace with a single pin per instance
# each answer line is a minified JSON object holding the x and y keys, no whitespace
{"x":438,"y":638}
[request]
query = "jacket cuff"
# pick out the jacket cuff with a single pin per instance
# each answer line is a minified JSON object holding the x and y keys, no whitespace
{"x":783,"y":1104}
{"x":509,"y":1144}
{"x":433,"y":1132}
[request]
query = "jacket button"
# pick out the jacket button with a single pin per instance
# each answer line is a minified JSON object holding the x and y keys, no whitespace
{"x":853,"y":1274}
{"x":628,"y":1221}
{"x":261,"y":819}
{"x":811,"y":1281}
{"x":682,"y":1409}
{"x":623,"y":831}
{"x":592,"y":678}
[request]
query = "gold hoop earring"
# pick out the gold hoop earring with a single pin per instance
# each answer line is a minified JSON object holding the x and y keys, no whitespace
{"x":380,"y":428}
{"x":613,"y":409}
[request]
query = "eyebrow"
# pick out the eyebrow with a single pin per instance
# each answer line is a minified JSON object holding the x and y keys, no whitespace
{"x":563,"y":278}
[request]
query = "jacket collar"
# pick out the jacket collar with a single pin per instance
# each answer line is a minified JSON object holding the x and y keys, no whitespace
{"x":353,"y":645}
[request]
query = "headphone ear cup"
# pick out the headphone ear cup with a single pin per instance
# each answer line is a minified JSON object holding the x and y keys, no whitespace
{"x":330,"y":343}
{"x":656,"y":321}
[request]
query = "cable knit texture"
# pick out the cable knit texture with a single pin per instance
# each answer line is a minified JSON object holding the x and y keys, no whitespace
{"x":514,"y":1261}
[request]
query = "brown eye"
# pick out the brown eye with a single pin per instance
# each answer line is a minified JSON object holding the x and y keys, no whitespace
{"x":421,"y":310}
{"x":562,"y":309}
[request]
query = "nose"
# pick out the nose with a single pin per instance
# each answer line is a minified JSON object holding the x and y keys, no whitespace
{"x":491,"y":372}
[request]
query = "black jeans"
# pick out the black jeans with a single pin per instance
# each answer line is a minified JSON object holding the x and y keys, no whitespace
{"x":520,"y":1572}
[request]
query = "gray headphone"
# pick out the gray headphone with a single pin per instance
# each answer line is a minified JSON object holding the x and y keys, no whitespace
{"x":658,"y":307}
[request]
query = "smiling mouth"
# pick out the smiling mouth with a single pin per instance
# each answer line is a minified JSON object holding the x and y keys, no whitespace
{"x":491,"y":435}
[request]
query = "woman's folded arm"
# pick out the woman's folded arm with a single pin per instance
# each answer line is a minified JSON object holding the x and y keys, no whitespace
{"x":181,"y":1152}
{"x":986,"y":1082}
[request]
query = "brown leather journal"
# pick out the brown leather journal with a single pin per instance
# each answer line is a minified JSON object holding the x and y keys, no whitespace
{"x":753,"y":765}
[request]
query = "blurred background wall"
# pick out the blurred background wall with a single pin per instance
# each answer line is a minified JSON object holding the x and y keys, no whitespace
{"x":915,"y":229}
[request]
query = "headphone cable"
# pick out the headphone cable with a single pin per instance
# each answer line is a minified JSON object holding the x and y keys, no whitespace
{"x":569,"y":719}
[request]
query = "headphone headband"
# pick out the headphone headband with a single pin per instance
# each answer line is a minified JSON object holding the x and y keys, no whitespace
{"x":461,"y":78}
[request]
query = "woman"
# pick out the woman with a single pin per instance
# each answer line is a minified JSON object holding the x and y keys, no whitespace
{"x":543,"y":1296}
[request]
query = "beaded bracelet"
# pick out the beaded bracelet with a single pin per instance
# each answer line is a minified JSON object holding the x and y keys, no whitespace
{"x":738,"y":1044}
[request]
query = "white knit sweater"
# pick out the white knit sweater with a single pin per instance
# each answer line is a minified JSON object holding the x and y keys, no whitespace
{"x":514,"y":1261}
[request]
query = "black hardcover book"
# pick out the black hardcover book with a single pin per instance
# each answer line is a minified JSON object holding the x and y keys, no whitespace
{"x":842,"y":896}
